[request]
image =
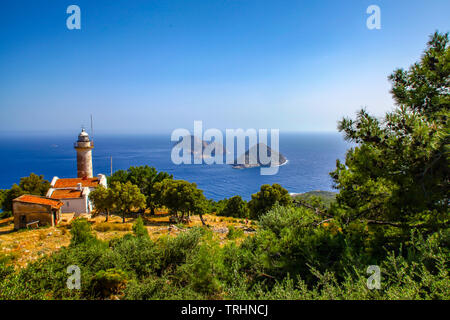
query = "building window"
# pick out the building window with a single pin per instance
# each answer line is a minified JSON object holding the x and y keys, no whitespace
{"x":67,"y":203}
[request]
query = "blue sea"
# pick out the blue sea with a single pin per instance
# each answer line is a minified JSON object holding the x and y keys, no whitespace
{"x":311,"y":156}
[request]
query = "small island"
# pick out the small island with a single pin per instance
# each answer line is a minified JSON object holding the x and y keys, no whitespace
{"x":212,"y":146}
{"x":251,"y":159}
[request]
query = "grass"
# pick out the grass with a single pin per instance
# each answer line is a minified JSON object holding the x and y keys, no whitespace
{"x":112,"y":226}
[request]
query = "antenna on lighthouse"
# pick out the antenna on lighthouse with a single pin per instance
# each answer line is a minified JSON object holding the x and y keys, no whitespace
{"x":92,"y":128}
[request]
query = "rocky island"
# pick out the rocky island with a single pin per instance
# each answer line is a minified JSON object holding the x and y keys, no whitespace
{"x":210,"y":147}
{"x":251,"y":159}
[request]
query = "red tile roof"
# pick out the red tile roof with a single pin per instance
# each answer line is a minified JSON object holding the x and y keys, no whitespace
{"x":73,"y":182}
{"x":66,"y":194}
{"x":56,"y":204}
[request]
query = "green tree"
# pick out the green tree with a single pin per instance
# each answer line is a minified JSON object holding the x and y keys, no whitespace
{"x":266,"y":198}
{"x":3,"y":194}
{"x":34,"y":184}
{"x":139,"y":228}
{"x":144,"y":177}
{"x":126,"y":197}
{"x":235,"y":207}
{"x":81,"y":232}
{"x":102,"y":199}
{"x":10,"y":195}
{"x":180,"y":196}
{"x":118,"y":176}
{"x":398,"y":173}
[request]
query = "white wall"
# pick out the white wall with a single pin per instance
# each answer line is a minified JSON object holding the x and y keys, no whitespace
{"x":78,"y":205}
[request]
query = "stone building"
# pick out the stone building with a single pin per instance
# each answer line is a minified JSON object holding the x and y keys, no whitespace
{"x":84,"y":148}
{"x":30,"y":209}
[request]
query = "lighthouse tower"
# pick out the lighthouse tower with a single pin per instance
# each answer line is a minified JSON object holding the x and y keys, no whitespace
{"x":84,"y":148}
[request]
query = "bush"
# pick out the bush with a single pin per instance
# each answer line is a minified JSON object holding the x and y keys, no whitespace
{"x":234,"y":233}
{"x":234,"y":207}
{"x":81,"y":232}
{"x":139,"y":228}
{"x":266,"y":198}
{"x":200,"y":271}
{"x":109,"y":282}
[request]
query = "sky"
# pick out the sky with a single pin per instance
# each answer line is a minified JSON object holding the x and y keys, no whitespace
{"x":154,"y":66}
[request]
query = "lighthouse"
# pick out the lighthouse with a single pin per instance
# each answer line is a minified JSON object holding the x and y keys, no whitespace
{"x":84,"y":148}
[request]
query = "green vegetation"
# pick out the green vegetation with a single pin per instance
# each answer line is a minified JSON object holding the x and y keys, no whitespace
{"x":121,"y":197}
{"x":102,"y":199}
{"x":180,"y":196}
{"x":234,"y":207}
{"x":391,"y":211}
{"x":327,"y":198}
{"x":397,"y":176}
{"x":292,"y":256}
{"x":266,"y":198}
{"x":234,"y":233}
{"x":139,"y":228}
{"x":145,"y":178}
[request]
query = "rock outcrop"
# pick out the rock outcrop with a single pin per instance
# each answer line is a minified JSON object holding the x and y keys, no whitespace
{"x":251,"y":158}
{"x":211,"y":146}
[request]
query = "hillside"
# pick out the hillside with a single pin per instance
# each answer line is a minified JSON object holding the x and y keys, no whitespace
{"x":327,"y":197}
{"x":24,"y":246}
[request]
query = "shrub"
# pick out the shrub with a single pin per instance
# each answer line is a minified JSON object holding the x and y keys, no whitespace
{"x":139,"y":228}
{"x":266,"y":198}
{"x":108,"y":282}
{"x":81,"y":232}
{"x":234,"y":233}
{"x":234,"y":207}
{"x":200,"y":271}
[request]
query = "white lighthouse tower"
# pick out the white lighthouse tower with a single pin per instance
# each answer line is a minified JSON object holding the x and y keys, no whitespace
{"x":84,"y":148}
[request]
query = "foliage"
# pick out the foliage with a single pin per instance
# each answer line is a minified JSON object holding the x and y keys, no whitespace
{"x":108,"y":282}
{"x":234,"y":233}
{"x":126,"y":197}
{"x":139,"y":228}
{"x":81,"y":232}
{"x":290,"y":257}
{"x":122,"y":197}
{"x":103,"y":199}
{"x":398,"y":174}
{"x":10,"y":195}
{"x":33,"y":184}
{"x":2,"y":196}
{"x":145,"y":178}
{"x":266,"y":198}
{"x":181,"y":196}
{"x":325,"y":198}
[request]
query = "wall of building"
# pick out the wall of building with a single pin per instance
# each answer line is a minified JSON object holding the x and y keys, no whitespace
{"x":84,"y":162}
{"x":32,"y":212}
